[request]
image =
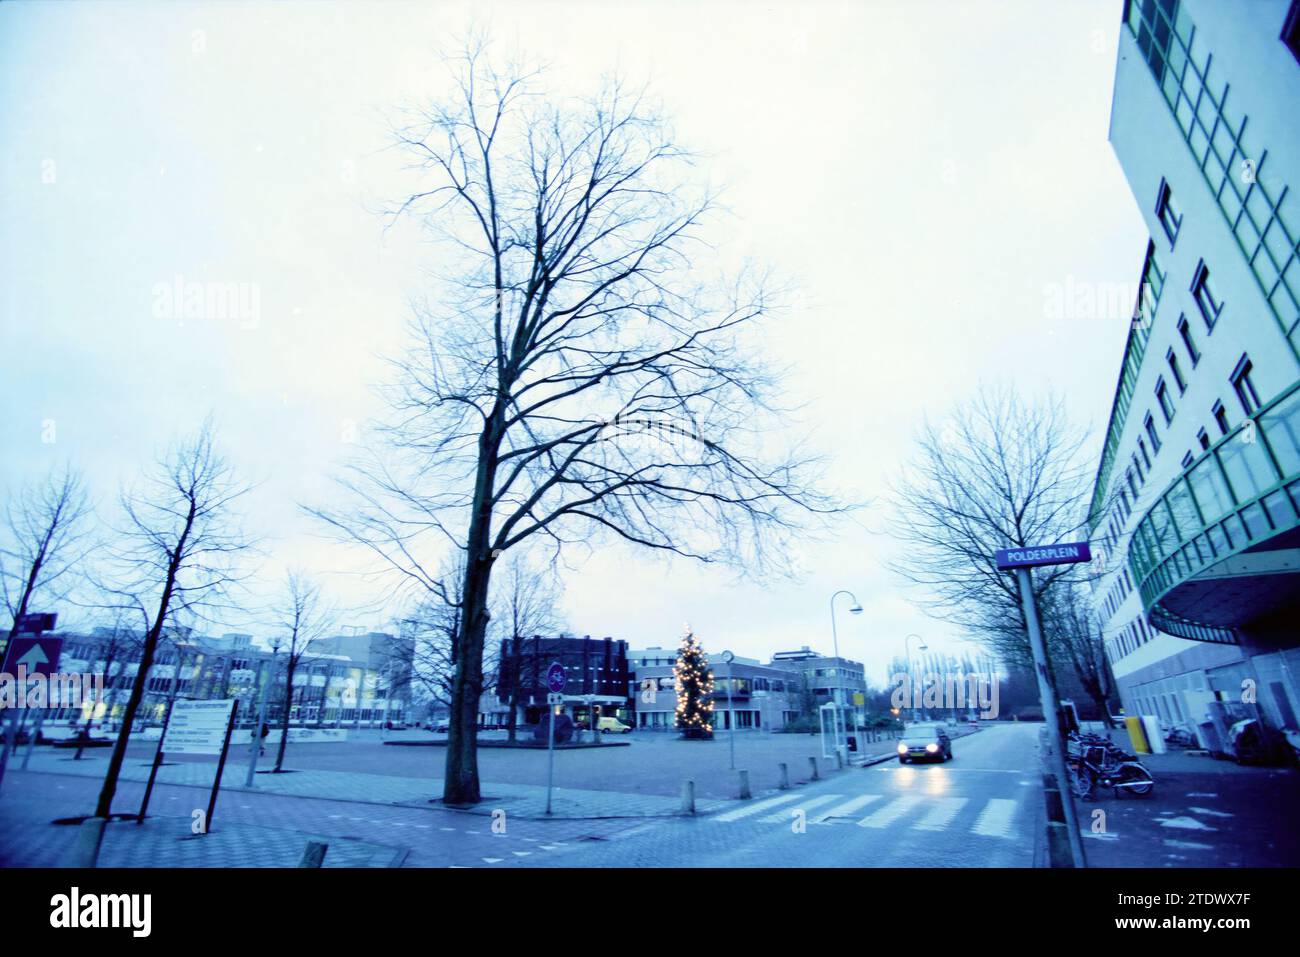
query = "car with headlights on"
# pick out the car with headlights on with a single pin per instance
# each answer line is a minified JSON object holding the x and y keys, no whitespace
{"x":925,"y":742}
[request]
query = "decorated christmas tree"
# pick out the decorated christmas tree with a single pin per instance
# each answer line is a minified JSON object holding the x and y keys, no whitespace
{"x":694,"y":685}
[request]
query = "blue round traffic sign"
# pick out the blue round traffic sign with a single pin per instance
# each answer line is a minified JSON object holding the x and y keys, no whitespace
{"x":555,"y":677}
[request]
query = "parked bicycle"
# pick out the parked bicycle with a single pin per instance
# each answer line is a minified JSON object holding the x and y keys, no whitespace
{"x":1094,"y":760}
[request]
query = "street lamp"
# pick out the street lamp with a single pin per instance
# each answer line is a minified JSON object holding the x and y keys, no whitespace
{"x":907,"y":652}
{"x":854,"y":609}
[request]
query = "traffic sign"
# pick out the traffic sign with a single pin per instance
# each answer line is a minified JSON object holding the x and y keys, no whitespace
{"x":1067,"y":553}
{"x":40,"y":656}
{"x":555,"y":677}
{"x":197,"y":727}
{"x":555,"y":698}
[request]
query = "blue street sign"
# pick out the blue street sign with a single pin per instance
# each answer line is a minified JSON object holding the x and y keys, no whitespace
{"x":1067,"y":553}
{"x":555,"y":677}
{"x":40,"y":656}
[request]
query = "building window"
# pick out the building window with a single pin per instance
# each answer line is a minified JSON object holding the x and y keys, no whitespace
{"x":1168,"y":213}
{"x":1166,"y":403}
{"x":1137,"y":467}
{"x":1221,"y":418}
{"x":1203,"y":438}
{"x":1132,"y":485}
{"x":1185,"y":332}
{"x":1187,"y":460}
{"x":1245,"y":388}
{"x":1150,"y":424}
{"x":1291,"y":30}
{"x":1206,"y":300}
{"x":1177,"y":372}
{"x":1142,"y":447}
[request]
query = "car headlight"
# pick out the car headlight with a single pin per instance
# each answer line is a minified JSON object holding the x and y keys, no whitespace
{"x":932,"y":747}
{"x":902,"y":748}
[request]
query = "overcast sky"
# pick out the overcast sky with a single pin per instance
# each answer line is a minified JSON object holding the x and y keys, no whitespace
{"x":929,"y":174}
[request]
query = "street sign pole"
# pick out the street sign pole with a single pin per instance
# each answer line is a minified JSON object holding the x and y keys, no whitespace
{"x":727,"y":656}
{"x":221,"y":766}
{"x":1051,"y":707}
{"x":556,"y":678}
{"x":157,"y":762}
{"x":550,"y":748}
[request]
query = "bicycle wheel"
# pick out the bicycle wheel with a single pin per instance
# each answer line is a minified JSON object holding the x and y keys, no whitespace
{"x":1082,"y":780}
{"x":1135,"y":779}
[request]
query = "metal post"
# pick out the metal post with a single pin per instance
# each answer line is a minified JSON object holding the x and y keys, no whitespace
{"x":221,"y":766}
{"x":1051,"y":708}
{"x":31,"y":743}
{"x":250,"y":779}
{"x":731,"y":718}
{"x":550,"y":755}
{"x":157,"y":762}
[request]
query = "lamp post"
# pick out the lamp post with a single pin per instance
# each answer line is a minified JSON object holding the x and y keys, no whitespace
{"x":907,"y":652}
{"x":854,"y":609}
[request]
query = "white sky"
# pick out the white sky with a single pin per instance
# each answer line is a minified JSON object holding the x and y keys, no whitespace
{"x":925,"y":172}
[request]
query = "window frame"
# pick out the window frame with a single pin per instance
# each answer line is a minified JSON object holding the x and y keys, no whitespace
{"x":1171,"y":358}
{"x":1149,"y":423}
{"x":1241,"y":377}
{"x":1189,"y":343}
{"x":1201,"y":286}
{"x":1165,"y":401}
{"x":1165,"y":204}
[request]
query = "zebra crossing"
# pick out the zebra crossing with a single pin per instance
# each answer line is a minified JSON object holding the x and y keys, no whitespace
{"x":992,"y":817}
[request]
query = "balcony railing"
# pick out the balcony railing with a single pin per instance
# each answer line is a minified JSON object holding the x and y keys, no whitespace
{"x":1243,"y":491}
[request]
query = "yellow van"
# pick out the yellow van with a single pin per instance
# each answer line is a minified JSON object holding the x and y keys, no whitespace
{"x":612,"y":726}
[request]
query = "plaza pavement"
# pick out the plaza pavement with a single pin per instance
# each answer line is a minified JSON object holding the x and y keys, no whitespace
{"x":658,"y":762}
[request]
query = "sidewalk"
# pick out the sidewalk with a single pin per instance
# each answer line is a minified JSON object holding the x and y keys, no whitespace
{"x":1202,"y":813}
{"x":165,"y":839}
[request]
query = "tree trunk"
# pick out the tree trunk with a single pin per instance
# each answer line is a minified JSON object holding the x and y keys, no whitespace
{"x":461,"y":784}
{"x":105,"y":806}
{"x":290,"y":667}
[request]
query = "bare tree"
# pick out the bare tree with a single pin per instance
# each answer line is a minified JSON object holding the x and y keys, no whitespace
{"x":579,"y":377}
{"x":1079,"y":636}
{"x":301,"y":618}
{"x":1002,"y":472}
{"x":528,"y":605}
{"x":45,"y":530}
{"x":177,"y":551}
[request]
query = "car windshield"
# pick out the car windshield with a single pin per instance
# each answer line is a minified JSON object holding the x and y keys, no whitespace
{"x":921,"y":735}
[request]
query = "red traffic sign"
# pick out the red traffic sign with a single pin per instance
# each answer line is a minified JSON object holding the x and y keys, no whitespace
{"x":556,"y":678}
{"x":1029,"y":556}
{"x":40,"y":656}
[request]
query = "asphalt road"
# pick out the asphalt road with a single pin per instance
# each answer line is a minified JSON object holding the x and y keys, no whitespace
{"x":982,"y":809}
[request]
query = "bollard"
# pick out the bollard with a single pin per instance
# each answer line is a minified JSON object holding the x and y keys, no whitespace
{"x":688,"y":797}
{"x":745,"y":794}
{"x":313,"y":855}
{"x":839,"y":760}
{"x":785,"y":776}
{"x":812,"y":763}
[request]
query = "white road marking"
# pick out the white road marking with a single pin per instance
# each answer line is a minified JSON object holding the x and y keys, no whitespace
{"x":521,"y":853}
{"x":492,"y":860}
{"x":891,"y":812}
{"x":756,"y":808}
{"x":1206,"y":810}
{"x":1187,"y":823}
{"x":785,"y":813}
{"x":941,"y":815}
{"x":995,"y":819}
{"x":845,"y":809}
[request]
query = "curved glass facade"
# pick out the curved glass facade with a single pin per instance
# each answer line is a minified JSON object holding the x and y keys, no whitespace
{"x":1241,"y":492}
